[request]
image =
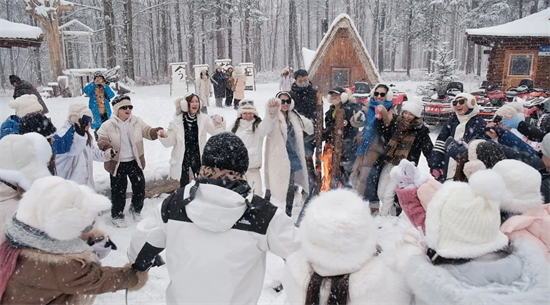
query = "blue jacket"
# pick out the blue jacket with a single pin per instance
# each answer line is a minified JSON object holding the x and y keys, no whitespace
{"x":509,"y":139}
{"x":92,"y":104}
{"x":62,"y":145}
{"x":475,"y":129}
{"x":10,"y":126}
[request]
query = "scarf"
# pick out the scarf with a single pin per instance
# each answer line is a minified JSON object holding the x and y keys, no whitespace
{"x":8,"y":261}
{"x":22,"y":236}
{"x":369,"y":131}
{"x":402,"y":140}
{"x":225,"y":178}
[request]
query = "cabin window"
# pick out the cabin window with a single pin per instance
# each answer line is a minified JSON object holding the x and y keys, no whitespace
{"x":340,"y":77}
{"x":520,"y":64}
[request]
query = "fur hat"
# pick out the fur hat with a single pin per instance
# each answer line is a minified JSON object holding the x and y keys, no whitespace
{"x":414,"y":106}
{"x":183,"y":106}
{"x":27,"y":155}
{"x":239,"y":72}
{"x":470,"y":100}
{"x":25,"y":104}
{"x":389,"y":95}
{"x":226,"y":151}
{"x":482,"y":155}
{"x":338,"y":233}
{"x":119,"y":101}
{"x":246,"y":107}
{"x":522,"y":186}
{"x":545,"y":147}
{"x":14,"y":79}
{"x":289,"y":96}
{"x":340,"y":91}
{"x":37,"y":122}
{"x":511,"y":109}
{"x":463,"y":220}
{"x":61,"y":208}
{"x":77,"y":111}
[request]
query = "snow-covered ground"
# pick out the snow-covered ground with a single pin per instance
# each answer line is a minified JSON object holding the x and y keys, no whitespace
{"x":155,"y":106}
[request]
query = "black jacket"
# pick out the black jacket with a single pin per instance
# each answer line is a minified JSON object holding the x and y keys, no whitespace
{"x":219,"y":81}
{"x":532,"y":132}
{"x":350,"y":132}
{"x":25,"y":87}
{"x":305,"y":101}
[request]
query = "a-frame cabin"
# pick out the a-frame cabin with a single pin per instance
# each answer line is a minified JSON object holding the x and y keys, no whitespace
{"x":341,"y":58}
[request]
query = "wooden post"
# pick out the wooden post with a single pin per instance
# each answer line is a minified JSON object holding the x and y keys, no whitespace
{"x":318,"y":143}
{"x":337,"y":140}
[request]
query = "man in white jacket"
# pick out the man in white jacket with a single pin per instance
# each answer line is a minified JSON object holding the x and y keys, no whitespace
{"x":216,"y":232}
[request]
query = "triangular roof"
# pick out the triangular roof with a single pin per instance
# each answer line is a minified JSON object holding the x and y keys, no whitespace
{"x":312,"y":59}
{"x":534,"y":25}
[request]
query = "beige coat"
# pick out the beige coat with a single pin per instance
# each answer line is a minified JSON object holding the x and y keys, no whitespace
{"x":204,"y":89}
{"x":45,"y":278}
{"x":109,"y":134}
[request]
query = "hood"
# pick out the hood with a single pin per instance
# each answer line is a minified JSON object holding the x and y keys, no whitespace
{"x":215,"y":208}
{"x":521,"y":277}
{"x":182,"y":106}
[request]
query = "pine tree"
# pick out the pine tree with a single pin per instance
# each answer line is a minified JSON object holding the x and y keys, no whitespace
{"x":444,"y":69}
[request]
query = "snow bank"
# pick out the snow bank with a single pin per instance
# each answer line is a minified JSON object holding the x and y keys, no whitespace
{"x":10,"y":29}
{"x":535,"y":25}
{"x":308,"y":56}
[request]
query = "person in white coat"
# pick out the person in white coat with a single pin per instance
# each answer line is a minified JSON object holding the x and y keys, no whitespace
{"x":285,"y":83}
{"x":215,"y":232}
{"x":285,"y":163}
{"x":78,"y":163}
{"x":469,"y":260}
{"x":204,"y":89}
{"x":339,"y":261}
{"x":187,"y":135}
{"x":252,"y":130}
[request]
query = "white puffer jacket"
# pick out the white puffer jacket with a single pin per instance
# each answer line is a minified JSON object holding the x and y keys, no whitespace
{"x":78,"y":163}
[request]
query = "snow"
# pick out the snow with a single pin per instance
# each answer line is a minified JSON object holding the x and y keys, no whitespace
{"x":154,"y":105}
{"x":535,"y":25}
{"x":83,"y":72}
{"x":10,"y":29}
{"x":308,"y":56}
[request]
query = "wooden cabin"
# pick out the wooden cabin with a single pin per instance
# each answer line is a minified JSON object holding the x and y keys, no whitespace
{"x":19,"y":35}
{"x":341,"y":58}
{"x":520,"y":49}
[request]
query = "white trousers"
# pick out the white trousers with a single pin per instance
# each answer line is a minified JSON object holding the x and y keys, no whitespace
{"x":254,"y":179}
{"x":386,"y":192}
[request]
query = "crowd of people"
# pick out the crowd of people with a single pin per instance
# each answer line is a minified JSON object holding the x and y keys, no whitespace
{"x":480,"y":222}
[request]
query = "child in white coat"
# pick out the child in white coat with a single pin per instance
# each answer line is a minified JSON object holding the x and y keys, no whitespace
{"x":252,"y":130}
{"x":77,"y":163}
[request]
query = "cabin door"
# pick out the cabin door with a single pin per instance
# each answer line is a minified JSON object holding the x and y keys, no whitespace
{"x":519,"y":64}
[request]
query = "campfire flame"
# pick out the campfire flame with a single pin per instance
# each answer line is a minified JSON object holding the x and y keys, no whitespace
{"x":326,"y":168}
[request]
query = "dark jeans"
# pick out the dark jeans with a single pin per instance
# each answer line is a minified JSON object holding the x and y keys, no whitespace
{"x":228,"y":97}
{"x":236,"y":103}
{"x":104,"y":118}
{"x":118,"y":188}
{"x":290,"y":195}
{"x":184,"y":180}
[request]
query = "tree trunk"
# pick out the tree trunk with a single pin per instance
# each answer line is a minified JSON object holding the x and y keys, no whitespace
{"x":165,"y":44}
{"x":191,"y":32}
{"x":129,"y":40}
{"x":375,"y":19}
{"x":381,"y":28}
{"x":408,"y":41}
{"x":179,"y":39}
{"x":109,"y":34}
{"x":291,"y":32}
{"x":204,"y":39}
{"x":347,"y":4}
{"x":298,"y":61}
{"x":247,"y":32}
{"x":479,"y":52}
{"x":54,"y":45}
{"x":276,"y":34}
{"x":152,"y":44}
{"x":219,"y":37}
{"x":520,"y":9}
{"x":308,"y":44}
{"x":229,"y":34}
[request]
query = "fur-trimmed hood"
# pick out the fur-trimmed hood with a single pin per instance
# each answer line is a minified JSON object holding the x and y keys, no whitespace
{"x":338,"y":233}
{"x":238,"y":72}
{"x":181,"y":104}
{"x":520,"y":278}
{"x":86,"y":257}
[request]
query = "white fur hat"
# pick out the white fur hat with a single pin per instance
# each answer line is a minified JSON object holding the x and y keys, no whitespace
{"x":414,"y":106}
{"x":246,"y":107}
{"x":182,"y":105}
{"x":338,"y":233}
{"x":77,"y":110}
{"x":25,"y":104}
{"x":26,"y":154}
{"x":463,"y":220}
{"x":239,"y":72}
{"x":61,"y":208}
{"x":470,"y":100}
{"x":389,"y":95}
{"x":522,"y":186}
{"x":289,"y":96}
{"x":511,"y":109}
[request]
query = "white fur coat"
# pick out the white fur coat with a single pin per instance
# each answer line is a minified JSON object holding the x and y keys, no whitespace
{"x":277,"y":163}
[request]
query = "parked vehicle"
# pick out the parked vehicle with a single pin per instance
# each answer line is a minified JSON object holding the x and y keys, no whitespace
{"x":489,"y":95}
{"x":437,"y":108}
{"x":525,"y":90}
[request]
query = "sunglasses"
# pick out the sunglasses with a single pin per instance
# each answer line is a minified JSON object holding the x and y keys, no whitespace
{"x":242,"y":103}
{"x":287,"y":101}
{"x":127,"y":107}
{"x":461,"y":102}
{"x":381,"y":94}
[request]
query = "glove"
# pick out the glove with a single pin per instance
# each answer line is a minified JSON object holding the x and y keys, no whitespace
{"x":437,"y":173}
{"x":359,"y":117}
{"x":217,"y":119}
{"x":80,"y":129}
{"x":511,"y":122}
{"x":102,"y":246}
{"x":454,"y":148}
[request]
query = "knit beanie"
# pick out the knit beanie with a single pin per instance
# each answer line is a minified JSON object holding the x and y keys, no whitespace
{"x":226,"y":151}
{"x":119,"y":101}
{"x":545,"y":148}
{"x":338,"y":233}
{"x":246,"y":107}
{"x":26,"y":154}
{"x":463,"y":220}
{"x":414,"y":106}
{"x":482,"y":155}
{"x":25,"y":104}
{"x":36,"y":122}
{"x":522,"y":186}
{"x":61,"y":208}
{"x":77,"y":111}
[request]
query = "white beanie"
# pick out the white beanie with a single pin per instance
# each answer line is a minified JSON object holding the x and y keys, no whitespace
{"x":245,"y":107}
{"x":61,"y":208}
{"x":25,"y":104}
{"x":77,"y":110}
{"x":522,"y":186}
{"x":463,"y":220}
{"x":338,"y":233}
{"x":26,"y":154}
{"x":414,"y":106}
{"x":239,"y":72}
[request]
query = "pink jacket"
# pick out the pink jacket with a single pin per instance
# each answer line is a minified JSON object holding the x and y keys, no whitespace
{"x":412,"y":207}
{"x":533,"y":225}
{"x":427,"y":190}
{"x":240,"y":84}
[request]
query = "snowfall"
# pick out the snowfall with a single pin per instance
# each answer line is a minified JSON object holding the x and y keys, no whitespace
{"x":155,"y":106}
